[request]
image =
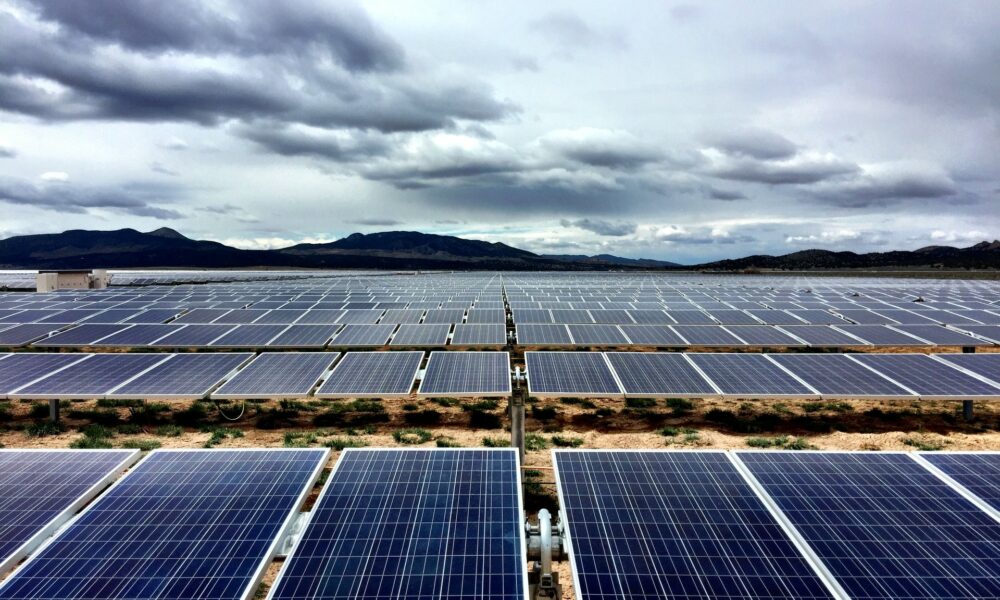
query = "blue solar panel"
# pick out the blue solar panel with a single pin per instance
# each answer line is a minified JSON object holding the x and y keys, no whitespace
{"x":372,"y":374}
{"x":193,"y":336}
{"x":479,"y":334}
{"x":884,"y":526}
{"x":467,"y":374}
{"x":652,"y":335}
{"x":984,"y":365}
{"x":413,"y":524}
{"x":707,"y":335}
{"x":836,"y":376}
{"x":181,"y":524}
{"x":658,"y":374}
{"x":602,"y":335}
{"x":278,"y":375}
{"x":978,"y":472}
{"x":18,"y":370}
{"x":249,"y":336}
{"x":138,"y":335}
{"x":570,"y":374}
{"x":928,"y":377}
{"x":90,"y":378}
{"x":363,"y":335}
{"x":749,"y":375}
{"x":542,"y":334}
{"x":182,"y":376}
{"x":304,"y":336}
{"x":660,"y":524}
{"x":41,"y":489}
{"x":28,"y":332}
{"x":81,"y":335}
{"x":421,"y":335}
{"x":822,"y":335}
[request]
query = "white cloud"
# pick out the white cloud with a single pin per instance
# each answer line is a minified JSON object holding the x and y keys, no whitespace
{"x":54,"y":176}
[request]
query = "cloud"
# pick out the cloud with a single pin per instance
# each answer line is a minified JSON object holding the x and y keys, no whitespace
{"x":442,"y":156}
{"x":675,"y":234}
{"x":140,"y":199}
{"x":884,"y":182}
{"x":720,"y":194}
{"x":613,"y":149}
{"x":188,"y":61}
{"x":376,"y":222}
{"x":158,"y":167}
{"x":752,"y":143}
{"x":174,"y":143}
{"x":802,"y":168}
{"x":685,"y":12}
{"x":7,"y":151}
{"x":939,"y":236}
{"x":837,"y":237}
{"x":54,"y":176}
{"x":570,"y":33}
{"x":607,"y":228}
{"x":298,"y":140}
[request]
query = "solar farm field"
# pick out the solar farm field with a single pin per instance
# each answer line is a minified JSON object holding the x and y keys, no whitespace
{"x":387,"y":403}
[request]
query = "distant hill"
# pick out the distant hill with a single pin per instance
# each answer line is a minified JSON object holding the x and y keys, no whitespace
{"x":611,"y":261}
{"x":984,"y":255}
{"x":128,"y":248}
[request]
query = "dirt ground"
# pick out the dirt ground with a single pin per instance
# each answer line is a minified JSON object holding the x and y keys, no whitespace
{"x":569,"y":422}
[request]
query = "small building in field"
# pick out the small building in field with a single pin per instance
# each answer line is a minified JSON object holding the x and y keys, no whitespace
{"x":72,"y":279}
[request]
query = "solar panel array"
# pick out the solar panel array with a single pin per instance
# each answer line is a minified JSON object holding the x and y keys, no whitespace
{"x":181,"y":524}
{"x":41,"y":489}
{"x":413,"y":523}
{"x":773,"y":524}
{"x":467,"y":374}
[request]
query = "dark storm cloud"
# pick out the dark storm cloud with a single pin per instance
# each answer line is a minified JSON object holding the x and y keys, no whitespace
{"x":806,"y":170}
{"x":244,"y":27}
{"x":75,"y":73}
{"x":890,"y":183}
{"x":336,"y":146}
{"x":607,"y":228}
{"x":140,"y":199}
{"x":753,"y":143}
{"x":601,"y":148}
{"x":720,"y":194}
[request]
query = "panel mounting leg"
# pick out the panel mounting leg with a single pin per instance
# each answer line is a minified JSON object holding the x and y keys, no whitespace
{"x":967,"y":410}
{"x":54,"y":411}
{"x":517,"y":422}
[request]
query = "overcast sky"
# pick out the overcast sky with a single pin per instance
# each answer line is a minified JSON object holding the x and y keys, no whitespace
{"x":684,"y":132}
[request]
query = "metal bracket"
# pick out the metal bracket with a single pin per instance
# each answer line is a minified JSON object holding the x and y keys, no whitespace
{"x":544,"y":545}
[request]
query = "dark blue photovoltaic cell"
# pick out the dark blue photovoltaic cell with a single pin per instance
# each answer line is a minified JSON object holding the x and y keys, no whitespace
{"x":28,"y":332}
{"x":37,"y":487}
{"x":978,"y":472}
{"x":19,"y":370}
{"x":413,"y":524}
{"x":81,"y":335}
{"x":926,"y":376}
{"x":281,"y":374}
{"x":372,"y":374}
{"x":94,"y":376}
{"x":467,"y":374}
{"x":570,"y":374}
{"x":479,"y":334}
{"x":985,"y":365}
{"x":647,"y":525}
{"x":658,"y":374}
{"x":885,"y":527}
{"x":836,"y":375}
{"x":184,"y":375}
{"x":748,"y":374}
{"x":182,"y":524}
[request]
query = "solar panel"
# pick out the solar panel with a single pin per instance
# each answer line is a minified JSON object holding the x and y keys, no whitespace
{"x":359,"y":316}
{"x":989,"y":332}
{"x":278,"y":375}
{"x":941,"y":336}
{"x":749,"y":375}
{"x":181,"y":524}
{"x":81,"y":335}
{"x":193,"y":336}
{"x":651,"y":374}
{"x":542,"y":334}
{"x":417,"y":523}
{"x":691,"y":317}
{"x":816,"y":316}
{"x":114,"y":315}
{"x":444,"y":315}
{"x":927,"y":377}
{"x":467,"y":374}
{"x":651,"y":335}
{"x":304,"y":336}
{"x":280,"y":317}
{"x":41,"y":489}
{"x":532,"y":315}
{"x":977,"y":472}
{"x":612,"y":316}
{"x":201,"y":315}
{"x":363,"y":335}
{"x":182,"y":376}
{"x":865,"y":317}
{"x":479,"y":334}
{"x":601,"y":335}
{"x":836,"y":376}
{"x":984,"y":365}
{"x":18,"y":370}
{"x":372,"y":374}
{"x":733,"y":317}
{"x":904,"y":316}
{"x":763,"y":335}
{"x":569,"y":315}
{"x":421,"y":335}
{"x":656,"y":524}
{"x":248,"y":336}
{"x":570,"y":374}
{"x":401,"y":315}
{"x":70,"y":316}
{"x":707,"y":335}
{"x":822,"y":335}
{"x":90,"y":378}
{"x":154,"y":315}
{"x":880,"y":335}
{"x":138,"y":335}
{"x":884,"y":526}
{"x":650,"y":317}
{"x":320,"y":316}
{"x":487,"y":315}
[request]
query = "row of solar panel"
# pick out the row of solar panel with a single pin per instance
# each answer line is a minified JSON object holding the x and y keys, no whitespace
{"x":415,"y":523}
{"x":540,"y":334}
{"x":269,"y":375}
{"x":726,"y":315}
{"x":700,"y":375}
{"x":265,"y":316}
{"x":781,"y":525}
{"x":249,"y":336}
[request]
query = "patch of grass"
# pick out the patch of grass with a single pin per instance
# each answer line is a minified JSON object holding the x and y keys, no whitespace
{"x":300,"y":439}
{"x":44,"y":428}
{"x":117,"y":403}
{"x":411,"y":436}
{"x":168,"y":431}
{"x":39,"y":410}
{"x":446,"y":442}
{"x":567,"y":441}
{"x":97,"y":431}
{"x":423,"y":417}
{"x":680,"y":406}
{"x":669,"y":431}
{"x":143,"y":444}
{"x":481,"y":406}
{"x":409,"y":406}
{"x":192,"y":416}
{"x":783,"y":442}
{"x":339,"y":443}
{"x":544,"y":413}
{"x":533,"y":441}
{"x":129,"y":429}
{"x":219,"y":434}
{"x":495,"y":442}
{"x":640,"y":403}
{"x":446,"y":402}
{"x":484,"y":420}
{"x":581,"y":402}
{"x":925,"y":445}
{"x":90,"y":443}
{"x":101,"y":416}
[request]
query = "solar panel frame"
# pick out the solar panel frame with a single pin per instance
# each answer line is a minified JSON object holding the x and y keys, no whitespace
{"x":763,"y":335}
{"x":929,"y":378}
{"x":479,"y":334}
{"x":311,"y":368}
{"x":304,"y":336}
{"x":474,"y":378}
{"x":728,"y":373}
{"x":940,"y":335}
{"x":194,"y":381}
{"x":596,"y":334}
{"x":95,"y":379}
{"x":348,"y":453}
{"x":108,"y":496}
{"x":834,"y":375}
{"x":692,"y":511}
{"x":819,"y":336}
{"x":14,"y":375}
{"x":82,"y":335}
{"x":599,"y":379}
{"x":880,"y":335}
{"x":363,"y":335}
{"x":975,"y":474}
{"x":673,"y":377}
{"x":423,"y":334}
{"x":977,"y":364}
{"x":375,"y":384}
{"x":126,"y":458}
{"x":542,"y":334}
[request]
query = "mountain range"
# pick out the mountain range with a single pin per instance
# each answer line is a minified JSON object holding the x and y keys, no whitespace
{"x":407,"y":250}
